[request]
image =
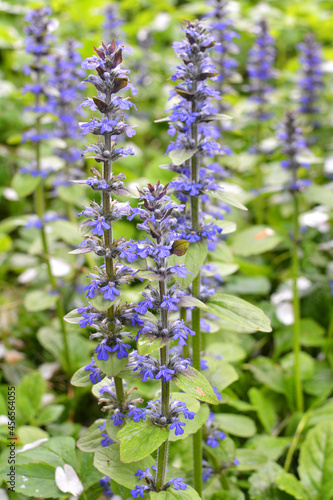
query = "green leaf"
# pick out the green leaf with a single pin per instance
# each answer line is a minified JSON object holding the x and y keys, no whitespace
{"x":25,"y":184}
{"x":49,"y":414}
{"x":325,"y":412}
{"x":39,"y":301}
{"x":81,"y":378}
{"x":227,"y":495}
{"x":225,"y":269}
{"x":56,"y":451}
{"x":248,"y":285}
{"x":269,"y":373}
{"x":189,"y":301}
{"x":180,"y":156}
{"x":288,"y":483}
{"x":108,"y":462}
{"x":79,"y":347}
{"x":195,"y":384}
{"x":193,"y":425}
{"x":227,"y":197}
{"x":321,"y":383}
{"x":316,"y":462}
{"x":29,"y":395}
{"x":113,"y":365}
{"x":271,"y":446}
{"x":193,"y":260}
{"x":149,"y":343}
{"x":221,"y":374}
{"x":90,"y":439}
{"x":37,"y":479}
{"x":73,"y":317}
{"x":227,"y":226}
{"x":29,"y":434}
{"x":35,"y":468}
{"x":172,"y":494}
{"x":192,"y":404}
{"x":262,"y":482}
{"x":225,"y":451}
{"x":319,"y":194}
{"x":5,"y":242}
{"x":66,"y":231}
{"x":228,"y":351}
{"x":237,"y":425}
{"x":264,"y":408}
{"x":255,"y":240}
{"x":238,"y":315}
{"x":72,"y":194}
{"x":140,"y":439}
{"x":250,"y":459}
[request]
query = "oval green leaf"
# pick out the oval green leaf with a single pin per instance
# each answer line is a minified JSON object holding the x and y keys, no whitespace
{"x":112,"y":366}
{"x":238,"y":315}
{"x":108,"y":462}
{"x":195,"y":384}
{"x":140,"y":439}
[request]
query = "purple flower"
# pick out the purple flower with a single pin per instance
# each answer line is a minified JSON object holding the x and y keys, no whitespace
{"x":99,"y":226}
{"x":117,"y":417}
{"x":170,"y":302}
{"x":136,"y":414}
{"x":144,"y":304}
{"x":178,"y":483}
{"x":106,"y":441}
{"x":120,"y":348}
{"x":218,"y":394}
{"x":165,"y":373}
{"x":110,"y":291}
{"x":180,"y":270}
{"x":139,"y":491}
{"x":177,"y":426}
{"x":91,"y":288}
{"x":102,"y":349}
{"x":95,"y":375}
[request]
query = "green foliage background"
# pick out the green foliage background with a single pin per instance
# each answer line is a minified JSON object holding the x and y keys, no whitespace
{"x":258,"y":407}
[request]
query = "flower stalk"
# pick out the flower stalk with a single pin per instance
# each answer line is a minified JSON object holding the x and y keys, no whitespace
{"x":293,"y":144}
{"x":38,"y":41}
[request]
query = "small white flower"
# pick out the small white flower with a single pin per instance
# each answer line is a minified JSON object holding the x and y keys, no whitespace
{"x":285,"y":313}
{"x":68,"y":481}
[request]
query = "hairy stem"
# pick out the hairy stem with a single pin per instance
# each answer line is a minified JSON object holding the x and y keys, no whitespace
{"x":108,"y":240}
{"x":296,"y":307}
{"x":162,"y":453}
{"x":196,"y":340}
{"x":39,"y":199}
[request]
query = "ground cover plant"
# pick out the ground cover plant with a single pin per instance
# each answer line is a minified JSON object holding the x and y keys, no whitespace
{"x":166,"y":244}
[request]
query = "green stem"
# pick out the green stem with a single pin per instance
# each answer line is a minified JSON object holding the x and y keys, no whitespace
{"x":295,"y":441}
{"x":197,"y":461}
{"x":196,"y":339}
{"x":296,"y":307}
{"x":259,"y":208}
{"x":162,"y":453}
{"x":162,"y":462}
{"x":119,"y":386}
{"x":224,"y":481}
{"x":108,"y":240}
{"x":39,"y":199}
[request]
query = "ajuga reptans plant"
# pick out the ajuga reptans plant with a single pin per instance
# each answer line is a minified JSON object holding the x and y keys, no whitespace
{"x":293,"y":145}
{"x":38,"y":44}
